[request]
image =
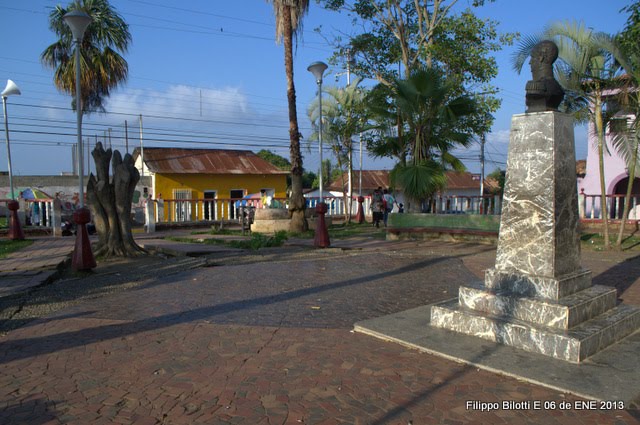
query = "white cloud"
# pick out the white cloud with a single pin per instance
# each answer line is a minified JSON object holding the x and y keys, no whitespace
{"x":180,"y":101}
{"x":499,"y":138}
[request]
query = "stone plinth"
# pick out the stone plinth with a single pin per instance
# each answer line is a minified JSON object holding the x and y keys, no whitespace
{"x":538,"y":297}
{"x":270,"y":220}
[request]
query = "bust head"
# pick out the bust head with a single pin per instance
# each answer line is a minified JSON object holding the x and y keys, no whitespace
{"x":543,"y":55}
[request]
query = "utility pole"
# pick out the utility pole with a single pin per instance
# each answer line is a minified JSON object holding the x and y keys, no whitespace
{"x":126,"y":137}
{"x":142,"y":149}
{"x":350,"y":179}
{"x":482,"y":142}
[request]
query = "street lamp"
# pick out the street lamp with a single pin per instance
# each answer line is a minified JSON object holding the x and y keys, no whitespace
{"x":15,"y":230}
{"x":82,"y":259}
{"x":321,"y":239}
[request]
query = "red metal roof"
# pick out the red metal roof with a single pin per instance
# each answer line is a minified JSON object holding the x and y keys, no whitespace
{"x":372,"y":179}
{"x":206,"y":161}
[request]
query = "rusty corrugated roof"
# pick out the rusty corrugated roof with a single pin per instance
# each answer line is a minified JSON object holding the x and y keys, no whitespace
{"x":372,"y":179}
{"x":462,"y":180}
{"x":206,"y":161}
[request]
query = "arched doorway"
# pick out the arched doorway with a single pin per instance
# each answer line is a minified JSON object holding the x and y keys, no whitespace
{"x":621,"y":189}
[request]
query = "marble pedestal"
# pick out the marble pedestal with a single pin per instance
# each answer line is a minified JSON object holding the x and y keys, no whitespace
{"x":538,"y":297}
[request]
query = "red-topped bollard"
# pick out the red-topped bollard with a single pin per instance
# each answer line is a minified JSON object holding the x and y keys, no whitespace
{"x":15,"y":229}
{"x":82,"y":258}
{"x":360,"y":213}
{"x":321,"y":239}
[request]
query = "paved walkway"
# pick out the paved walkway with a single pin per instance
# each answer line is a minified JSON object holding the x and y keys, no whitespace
{"x":268,"y":340}
{"x":34,"y":264}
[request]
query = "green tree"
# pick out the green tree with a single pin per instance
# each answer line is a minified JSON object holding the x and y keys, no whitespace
{"x":288,"y":14}
{"x":499,"y":176}
{"x":102,"y":65}
{"x":586,"y":69}
{"x":275,"y":159}
{"x":343,"y":116}
{"x":329,"y":173}
{"x":627,"y":139}
{"x":424,"y":33}
{"x":434,"y":119}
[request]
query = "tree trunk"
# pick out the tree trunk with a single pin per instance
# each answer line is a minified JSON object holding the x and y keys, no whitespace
{"x":110,"y":203}
{"x":296,"y":200}
{"x":627,"y":197}
{"x":604,"y":212}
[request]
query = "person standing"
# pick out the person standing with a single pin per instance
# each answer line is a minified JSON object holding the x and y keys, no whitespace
{"x":377,"y":206}
{"x":388,"y":204}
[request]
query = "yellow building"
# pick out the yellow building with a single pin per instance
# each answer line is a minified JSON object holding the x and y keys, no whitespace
{"x":205,"y":184}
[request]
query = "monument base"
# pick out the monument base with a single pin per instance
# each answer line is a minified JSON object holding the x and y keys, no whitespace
{"x":538,"y":297}
{"x":574,"y":344}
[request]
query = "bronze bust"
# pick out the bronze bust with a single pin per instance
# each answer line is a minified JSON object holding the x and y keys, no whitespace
{"x":543,"y":92}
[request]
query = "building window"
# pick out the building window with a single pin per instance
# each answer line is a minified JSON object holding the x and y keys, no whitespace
{"x":182,"y":208}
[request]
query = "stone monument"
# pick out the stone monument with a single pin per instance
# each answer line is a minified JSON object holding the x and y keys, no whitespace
{"x":538,"y":297}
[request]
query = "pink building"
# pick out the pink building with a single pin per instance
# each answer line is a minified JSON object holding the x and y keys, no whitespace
{"x":616,"y":179}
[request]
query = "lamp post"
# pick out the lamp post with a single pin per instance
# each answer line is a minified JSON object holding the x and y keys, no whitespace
{"x":15,"y":230}
{"x":321,"y":239}
{"x":82,"y":258}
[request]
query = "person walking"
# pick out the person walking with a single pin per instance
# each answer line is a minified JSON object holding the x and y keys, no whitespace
{"x":388,"y":205}
{"x":377,"y":206}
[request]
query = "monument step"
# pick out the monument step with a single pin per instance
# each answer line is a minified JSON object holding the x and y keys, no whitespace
{"x":573,"y":345}
{"x":530,"y":285}
{"x":564,"y":313}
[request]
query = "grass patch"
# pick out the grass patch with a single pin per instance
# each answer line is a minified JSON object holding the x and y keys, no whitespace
{"x":595,"y":242}
{"x":488,"y":223}
{"x":256,"y":242}
{"x":346,"y":230}
{"x":4,"y":222}
{"x":8,"y":246}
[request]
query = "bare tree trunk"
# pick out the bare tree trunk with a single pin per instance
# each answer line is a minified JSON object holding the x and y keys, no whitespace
{"x":110,"y":203}
{"x":627,"y":197}
{"x":604,"y":212}
{"x":296,"y":200}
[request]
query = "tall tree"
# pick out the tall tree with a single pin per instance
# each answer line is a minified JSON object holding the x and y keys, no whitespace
{"x":288,"y":14}
{"x":627,"y":141}
{"x":586,"y":69}
{"x":344,"y":116}
{"x":102,"y":66}
{"x":414,"y":34}
{"x":434,"y":119}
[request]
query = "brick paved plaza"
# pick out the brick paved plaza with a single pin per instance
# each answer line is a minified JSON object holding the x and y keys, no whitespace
{"x":267,"y":339}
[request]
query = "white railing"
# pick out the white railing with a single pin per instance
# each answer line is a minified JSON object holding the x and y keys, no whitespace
{"x":199,"y":210}
{"x":457,"y":204}
{"x":210,"y":210}
{"x":336,"y":205}
{"x":590,"y":207}
{"x":39,"y":212}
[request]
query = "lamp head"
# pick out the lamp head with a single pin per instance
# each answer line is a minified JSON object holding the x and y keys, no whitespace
{"x":317,"y":69}
{"x":78,"y":21}
{"x":11,"y":89}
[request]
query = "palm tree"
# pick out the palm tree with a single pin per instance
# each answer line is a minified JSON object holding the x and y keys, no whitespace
{"x":343,"y":116}
{"x":627,"y":141}
{"x":102,"y":65}
{"x":435,"y":124}
{"x":586,"y":69}
{"x":289,"y":15}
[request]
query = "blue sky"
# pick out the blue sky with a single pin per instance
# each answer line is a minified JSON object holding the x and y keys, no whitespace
{"x":207,"y":73}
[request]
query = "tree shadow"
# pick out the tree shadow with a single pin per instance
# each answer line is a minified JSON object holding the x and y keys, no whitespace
{"x":621,"y":276}
{"x":30,"y":347}
{"x":32,"y":411}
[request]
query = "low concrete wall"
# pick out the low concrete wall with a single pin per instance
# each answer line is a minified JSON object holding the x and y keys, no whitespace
{"x":271,"y":220}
